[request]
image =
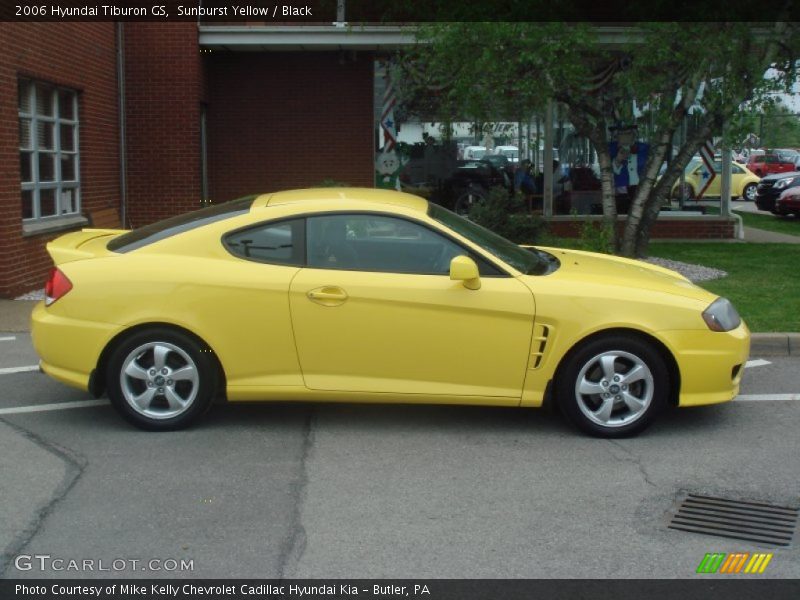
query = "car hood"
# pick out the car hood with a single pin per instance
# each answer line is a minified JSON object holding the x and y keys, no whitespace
{"x":603,"y":269}
{"x":776,"y":176}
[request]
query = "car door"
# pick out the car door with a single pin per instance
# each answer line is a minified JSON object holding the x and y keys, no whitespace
{"x":375,"y":311}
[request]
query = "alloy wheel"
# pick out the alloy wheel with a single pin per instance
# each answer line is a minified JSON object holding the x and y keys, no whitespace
{"x":614,"y":388}
{"x":159,"y":380}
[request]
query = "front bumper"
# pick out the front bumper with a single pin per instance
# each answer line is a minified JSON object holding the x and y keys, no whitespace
{"x":787,"y":208}
{"x":766,"y":201}
{"x":710,"y":363}
{"x":68,"y":348}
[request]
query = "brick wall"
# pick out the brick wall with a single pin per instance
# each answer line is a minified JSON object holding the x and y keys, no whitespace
{"x":163,"y":92}
{"x":81,"y":56}
{"x":287,"y":120}
{"x":664,"y":228}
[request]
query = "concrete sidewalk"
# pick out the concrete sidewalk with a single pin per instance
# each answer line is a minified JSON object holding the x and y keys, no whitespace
{"x":15,"y":316}
{"x":762,"y":236}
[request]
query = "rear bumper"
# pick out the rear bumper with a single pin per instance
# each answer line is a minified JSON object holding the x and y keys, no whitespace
{"x":68,"y":348}
{"x":787,"y":208}
{"x":711,"y":363}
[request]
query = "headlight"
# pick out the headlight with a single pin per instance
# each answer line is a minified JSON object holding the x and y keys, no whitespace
{"x":782,"y":183}
{"x":721,"y":316}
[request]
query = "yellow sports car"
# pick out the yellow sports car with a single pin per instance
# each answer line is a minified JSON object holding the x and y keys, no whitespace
{"x":743,"y":181}
{"x":363,"y":295}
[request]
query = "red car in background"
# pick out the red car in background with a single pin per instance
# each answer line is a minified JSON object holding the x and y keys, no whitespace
{"x":768,"y":164}
{"x":788,"y":203}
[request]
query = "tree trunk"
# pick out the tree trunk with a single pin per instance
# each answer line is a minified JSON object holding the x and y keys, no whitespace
{"x":664,"y":185}
{"x":645,"y":202}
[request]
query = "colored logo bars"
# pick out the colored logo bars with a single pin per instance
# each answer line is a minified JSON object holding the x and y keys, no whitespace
{"x":737,"y":562}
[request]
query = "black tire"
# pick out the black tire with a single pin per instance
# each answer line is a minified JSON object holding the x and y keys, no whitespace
{"x":177,"y":403}
{"x":608,"y":413}
{"x":467,"y":200}
{"x":749,"y":192}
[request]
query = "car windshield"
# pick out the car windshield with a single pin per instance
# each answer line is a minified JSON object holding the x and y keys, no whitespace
{"x":525,"y":261}
{"x":179,"y":224}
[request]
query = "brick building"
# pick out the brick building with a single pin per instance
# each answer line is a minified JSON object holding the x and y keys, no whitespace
{"x":59,"y":140}
{"x":146,"y":120}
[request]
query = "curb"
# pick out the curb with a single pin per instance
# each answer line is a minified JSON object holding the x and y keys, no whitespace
{"x":775,"y":344}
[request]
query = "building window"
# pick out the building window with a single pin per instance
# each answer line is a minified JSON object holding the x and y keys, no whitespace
{"x":48,"y":150}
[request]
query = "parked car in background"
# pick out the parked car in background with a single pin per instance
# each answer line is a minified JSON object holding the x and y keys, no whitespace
{"x":510,"y":152}
{"x":743,"y":181}
{"x":470,"y":183}
{"x":474,"y":152}
{"x":502,"y":162}
{"x":787,"y":154}
{"x":766,"y":164}
{"x":788,"y":203}
{"x":772,"y":186}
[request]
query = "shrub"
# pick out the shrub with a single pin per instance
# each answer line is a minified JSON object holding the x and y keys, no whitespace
{"x":596,"y":236}
{"x":507,"y":216}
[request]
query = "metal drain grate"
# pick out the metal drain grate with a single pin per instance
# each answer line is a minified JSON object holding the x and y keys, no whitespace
{"x":735,"y":519}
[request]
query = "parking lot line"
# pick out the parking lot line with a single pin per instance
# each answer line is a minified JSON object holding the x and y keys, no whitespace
{"x":16,"y":410}
{"x":758,"y":362}
{"x":9,"y":370}
{"x":8,"y":338}
{"x":766,"y":397}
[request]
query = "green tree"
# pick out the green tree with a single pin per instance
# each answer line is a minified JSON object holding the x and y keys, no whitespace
{"x":509,"y":70}
{"x":776,"y":125}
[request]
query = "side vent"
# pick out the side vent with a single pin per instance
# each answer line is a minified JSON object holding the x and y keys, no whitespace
{"x":538,"y":345}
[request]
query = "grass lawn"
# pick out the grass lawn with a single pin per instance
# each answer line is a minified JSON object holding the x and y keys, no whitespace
{"x":788,"y":225}
{"x":763,"y":281}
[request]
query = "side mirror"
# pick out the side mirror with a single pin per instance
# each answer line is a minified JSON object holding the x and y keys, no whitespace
{"x":463,"y":268}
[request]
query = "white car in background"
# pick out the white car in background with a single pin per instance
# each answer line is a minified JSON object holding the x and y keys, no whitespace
{"x":510,"y":152}
{"x":474,"y":152}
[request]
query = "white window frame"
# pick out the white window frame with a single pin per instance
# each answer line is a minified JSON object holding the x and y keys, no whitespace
{"x":35,"y":185}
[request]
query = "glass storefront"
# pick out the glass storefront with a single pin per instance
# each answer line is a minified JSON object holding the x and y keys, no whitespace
{"x":448,"y":161}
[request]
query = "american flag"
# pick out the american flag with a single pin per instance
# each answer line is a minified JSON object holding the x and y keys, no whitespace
{"x":387,"y":114}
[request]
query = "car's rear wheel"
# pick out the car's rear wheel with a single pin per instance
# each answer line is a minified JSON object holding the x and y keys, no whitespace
{"x":160,"y":379}
{"x":749,"y":192}
{"x":473,"y":196}
{"x":613,"y":386}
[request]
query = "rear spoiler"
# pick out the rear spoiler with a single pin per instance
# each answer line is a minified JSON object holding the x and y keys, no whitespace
{"x":80,"y":245}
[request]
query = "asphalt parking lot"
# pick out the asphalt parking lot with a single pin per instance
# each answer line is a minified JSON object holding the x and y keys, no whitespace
{"x":280,"y":490}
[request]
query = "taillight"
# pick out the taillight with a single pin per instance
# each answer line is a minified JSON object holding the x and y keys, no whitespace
{"x":57,"y":286}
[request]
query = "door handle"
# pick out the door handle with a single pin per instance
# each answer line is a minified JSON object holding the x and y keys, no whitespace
{"x":328,"y":296}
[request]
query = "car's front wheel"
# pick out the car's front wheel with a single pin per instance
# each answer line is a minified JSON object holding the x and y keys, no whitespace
{"x":160,"y":379}
{"x":749,"y":192}
{"x":613,"y":386}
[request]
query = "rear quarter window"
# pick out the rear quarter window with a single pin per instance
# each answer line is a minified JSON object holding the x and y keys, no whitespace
{"x":160,"y":230}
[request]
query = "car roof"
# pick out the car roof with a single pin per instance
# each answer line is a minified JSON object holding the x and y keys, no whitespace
{"x":341,"y":195}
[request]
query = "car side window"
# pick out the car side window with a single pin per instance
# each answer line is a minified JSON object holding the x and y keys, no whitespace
{"x":368,"y":242}
{"x":736,"y":170}
{"x":274,"y":242}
